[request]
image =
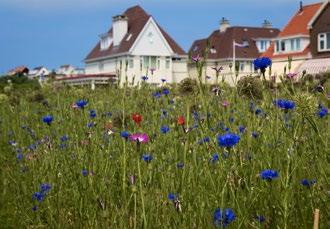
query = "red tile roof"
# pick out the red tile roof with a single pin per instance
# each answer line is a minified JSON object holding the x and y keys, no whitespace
{"x":298,"y":25}
{"x":222,"y":43}
{"x":137,"y":18}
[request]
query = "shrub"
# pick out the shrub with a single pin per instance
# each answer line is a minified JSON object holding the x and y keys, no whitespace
{"x":250,"y":87}
{"x":188,"y":86}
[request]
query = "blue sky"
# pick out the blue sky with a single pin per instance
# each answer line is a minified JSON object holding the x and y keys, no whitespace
{"x":56,"y":32}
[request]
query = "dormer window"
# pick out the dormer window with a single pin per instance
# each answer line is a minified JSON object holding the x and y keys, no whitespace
{"x":105,"y":42}
{"x":263,"y":45}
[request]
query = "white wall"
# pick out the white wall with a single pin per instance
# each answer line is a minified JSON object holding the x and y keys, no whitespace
{"x":151,"y":42}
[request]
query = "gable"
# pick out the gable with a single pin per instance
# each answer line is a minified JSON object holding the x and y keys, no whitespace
{"x":322,"y":19}
{"x":151,"y":42}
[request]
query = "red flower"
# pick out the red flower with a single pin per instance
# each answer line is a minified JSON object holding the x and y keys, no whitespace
{"x":181,"y":121}
{"x":137,"y":118}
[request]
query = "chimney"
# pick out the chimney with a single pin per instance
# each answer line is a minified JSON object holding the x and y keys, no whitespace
{"x":224,"y":24}
{"x":119,"y":28}
{"x":267,"y":24}
{"x":301,"y":7}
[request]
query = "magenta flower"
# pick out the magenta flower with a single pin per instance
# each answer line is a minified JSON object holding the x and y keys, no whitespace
{"x":225,"y":103}
{"x":139,"y":138}
{"x":291,"y":75}
{"x":196,"y":58}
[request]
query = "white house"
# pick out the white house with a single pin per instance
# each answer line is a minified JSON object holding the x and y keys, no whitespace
{"x":65,"y":70}
{"x":38,"y":71}
{"x":137,"y":46}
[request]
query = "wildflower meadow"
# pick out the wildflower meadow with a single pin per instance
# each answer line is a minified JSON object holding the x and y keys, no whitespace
{"x":163,"y":157}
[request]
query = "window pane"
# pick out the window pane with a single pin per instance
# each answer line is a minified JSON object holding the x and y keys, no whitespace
{"x":328,"y":40}
{"x":146,"y":61}
{"x":298,"y":44}
{"x":153,"y":61}
{"x":282,"y":46}
{"x":321,"y":44}
{"x":167,"y":63}
{"x":292,"y":45}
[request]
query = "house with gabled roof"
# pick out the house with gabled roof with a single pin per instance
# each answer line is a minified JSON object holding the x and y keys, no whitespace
{"x":319,"y":27}
{"x":19,"y":71}
{"x":137,"y":46}
{"x":293,"y":42}
{"x":232,"y":48}
{"x":38,"y":71}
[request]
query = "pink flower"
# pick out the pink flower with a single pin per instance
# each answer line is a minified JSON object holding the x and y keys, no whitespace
{"x":291,"y":75}
{"x":196,"y":58}
{"x":140,"y":138}
{"x":225,"y":103}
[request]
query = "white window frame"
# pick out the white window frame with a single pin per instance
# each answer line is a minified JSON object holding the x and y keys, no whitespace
{"x":131,"y":63}
{"x":147,"y":62}
{"x":168,"y":62}
{"x":324,"y":39}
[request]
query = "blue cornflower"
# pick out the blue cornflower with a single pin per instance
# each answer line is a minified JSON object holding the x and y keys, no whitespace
{"x":32,"y":147}
{"x":92,"y":113}
{"x":171,"y":101}
{"x":163,"y":80}
{"x":19,"y":156}
{"x":204,"y":140}
{"x":172,"y":196}
{"x":231,"y":119}
{"x":124,"y":134}
{"x":35,"y":208}
{"x":165,"y":91}
{"x":45,"y":188}
{"x":258,"y":111}
{"x":90,"y":124}
{"x":64,"y":138}
{"x":222,"y":218}
{"x":84,"y":172}
{"x":144,"y":78}
{"x":307,"y":183}
{"x":47,"y":119}
{"x":147,"y":157}
{"x":285,"y":104}
{"x":38,"y":196}
{"x":255,"y":134}
{"x":164,"y":129}
{"x":262,"y":63}
{"x":156,"y":94}
{"x":228,"y":140}
{"x":241,"y":129}
{"x":322,"y":112}
{"x":180,"y":165}
{"x":260,"y":218}
{"x":268,"y":174}
{"x":81,"y":103}
{"x":12,"y":143}
{"x":215,"y":158}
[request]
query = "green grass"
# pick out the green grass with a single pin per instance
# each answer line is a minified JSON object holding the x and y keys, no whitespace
{"x":107,"y":199}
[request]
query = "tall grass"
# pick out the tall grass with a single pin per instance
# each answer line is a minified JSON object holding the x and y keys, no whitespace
{"x":120,"y":190}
